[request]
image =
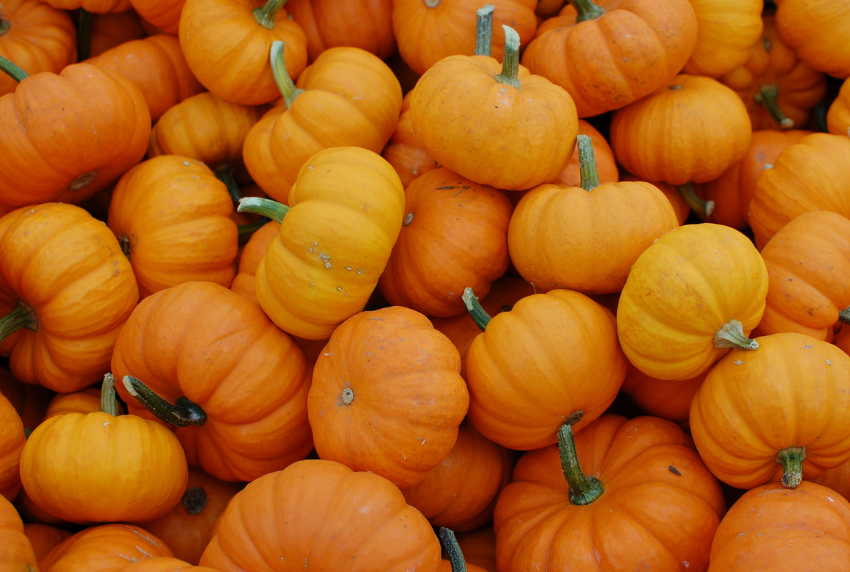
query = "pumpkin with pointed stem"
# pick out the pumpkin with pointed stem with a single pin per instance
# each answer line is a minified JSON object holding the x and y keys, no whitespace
{"x":12,"y":441}
{"x":838,"y":116}
{"x":662,"y":398}
{"x":164,"y":14}
{"x":347,"y":97}
{"x":404,"y":152}
{"x":16,"y":552}
{"x":103,"y":547}
{"x":726,"y":33}
{"x":816,"y":30}
{"x":606,"y":165}
{"x":365,"y":24}
{"x":84,"y":401}
{"x":111,"y":30}
{"x":44,"y":537}
{"x":651,"y":504}
{"x":30,"y":401}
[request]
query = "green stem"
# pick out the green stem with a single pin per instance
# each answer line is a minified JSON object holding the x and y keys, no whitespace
{"x":587,"y":163}
{"x":246,"y":231}
{"x":791,"y":460}
{"x":476,"y":311}
{"x":583,"y":489}
{"x":484,"y":31}
{"x":731,"y":335}
{"x":844,"y":316}
{"x":820,"y":111}
{"x":510,"y":60}
{"x":699,"y":206}
{"x":767,"y":96}
{"x":266,"y":15}
{"x":224,"y":173}
{"x":449,"y":541}
{"x":587,"y":10}
{"x":181,"y":414}
{"x":265,"y":207}
{"x":108,"y":403}
{"x":83,"y":34}
{"x":27,"y":432}
{"x":4,"y":27}
{"x":281,"y":75}
{"x":12,"y":70}
{"x":22,"y":316}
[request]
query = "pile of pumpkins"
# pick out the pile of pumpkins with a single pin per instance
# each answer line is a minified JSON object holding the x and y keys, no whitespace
{"x":364,"y":284}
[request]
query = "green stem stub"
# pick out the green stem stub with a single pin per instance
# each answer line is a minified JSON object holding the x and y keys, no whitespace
{"x":699,"y":206}
{"x":22,"y":316}
{"x":583,"y":489}
{"x":12,"y":70}
{"x":224,"y":173}
{"x":731,"y":335}
{"x":449,"y":542}
{"x":266,"y":15}
{"x":281,"y":75}
{"x":83,"y":34}
{"x":182,"y":413}
{"x":510,"y":61}
{"x":587,"y":163}
{"x":767,"y":96}
{"x":484,"y":31}
{"x":108,"y":403}
{"x":476,"y":311}
{"x":844,"y":316}
{"x":791,"y":460}
{"x":587,"y":10}
{"x":265,"y":207}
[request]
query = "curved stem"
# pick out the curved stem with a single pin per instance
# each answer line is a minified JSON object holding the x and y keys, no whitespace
{"x":731,"y":335}
{"x":4,"y":27}
{"x":181,"y":414}
{"x":108,"y":403}
{"x":12,"y":70}
{"x":484,"y":31}
{"x":476,"y":311}
{"x":224,"y":173}
{"x":266,"y":15}
{"x":844,"y":316}
{"x":246,"y":231}
{"x":699,"y":206}
{"x":767,"y":97}
{"x":791,"y":460}
{"x":83,"y":34}
{"x":587,"y":163}
{"x":281,"y":75}
{"x":449,"y":541}
{"x":583,"y":489}
{"x":586,"y":9}
{"x":265,"y":207}
{"x":510,"y":61}
{"x":21,"y":317}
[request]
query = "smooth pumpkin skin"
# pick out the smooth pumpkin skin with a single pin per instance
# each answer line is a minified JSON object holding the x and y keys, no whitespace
{"x":400,"y":369}
{"x":30,"y":511}
{"x":164,"y":14}
{"x":16,"y":552}
{"x":159,"y":564}
{"x":428,"y":34}
{"x":606,"y":165}
{"x":252,"y":254}
{"x":648,"y":517}
{"x":351,"y":98}
{"x":40,"y":38}
{"x":200,"y":341}
{"x":228,"y":50}
{"x":680,"y":207}
{"x":407,"y":156}
{"x":326,"y":261}
{"x":284,"y":517}
{"x":80,"y":303}
{"x":365,"y":24}
{"x":454,"y":235}
{"x":460,"y":493}
{"x":93,"y":6}
{"x":794,"y":391}
{"x":30,"y":401}
{"x":837,"y":479}
{"x":726,"y":33}
{"x":491,"y":132}
{"x":733,"y":190}
{"x":537,"y":364}
{"x":479,"y":547}
{"x":111,"y":30}
{"x":669,"y":400}
{"x":84,"y":401}
{"x":814,"y":29}
{"x":193,"y":239}
{"x":68,"y":153}
{"x":709,"y":132}
{"x":44,"y":538}
{"x":633,"y":49}
{"x":838,"y":116}
{"x":774,"y":528}
{"x":813,"y":174}
{"x":681,"y":291}
{"x":12,"y":442}
{"x":103,"y":547}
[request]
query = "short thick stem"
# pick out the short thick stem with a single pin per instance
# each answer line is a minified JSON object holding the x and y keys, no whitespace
{"x":510,"y":61}
{"x":844,"y":316}
{"x":476,"y":311}
{"x":281,"y":76}
{"x":224,"y":174}
{"x":83,"y":34}
{"x":587,"y":10}
{"x":12,"y":70}
{"x":108,"y":403}
{"x":181,"y":413}
{"x":791,"y":460}
{"x":731,"y":335}
{"x":583,"y":489}
{"x":484,"y":31}
{"x":266,"y":15}
{"x":699,"y":206}
{"x":265,"y":207}
{"x":22,"y":316}
{"x":587,"y":163}
{"x":767,"y":97}
{"x":449,"y":542}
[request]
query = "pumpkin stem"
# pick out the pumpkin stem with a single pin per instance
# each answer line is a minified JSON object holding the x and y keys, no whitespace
{"x":265,"y":207}
{"x":583,"y":489}
{"x":266,"y":15}
{"x":108,"y":403}
{"x":484,"y":30}
{"x":224,"y":173}
{"x":510,"y":60}
{"x":767,"y":97}
{"x":21,"y":317}
{"x":476,"y":311}
{"x":181,"y":414}
{"x":246,"y":231}
{"x":587,"y":163}
{"x":587,"y":10}
{"x":791,"y":460}
{"x":731,"y":335}
{"x":195,"y":500}
{"x":4,"y":27}
{"x":844,"y":316}
{"x":27,"y":432}
{"x":281,"y":75}
{"x":83,"y":34}
{"x":12,"y":70}
{"x":432,"y":3}
{"x":699,"y":206}
{"x":449,"y":541}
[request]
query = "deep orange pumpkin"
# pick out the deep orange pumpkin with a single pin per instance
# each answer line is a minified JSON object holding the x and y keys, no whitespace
{"x":94,"y":6}
{"x":30,"y":401}
{"x":404,"y":152}
{"x":12,"y":442}
{"x":838,"y":116}
{"x":816,"y":29}
{"x":164,"y":14}
{"x":669,"y":400}
{"x":111,"y":30}
{"x":44,"y":538}
{"x":16,"y":552}
{"x":252,"y":254}
{"x":365,"y":24}
{"x":479,"y":547}
{"x":103,"y":547}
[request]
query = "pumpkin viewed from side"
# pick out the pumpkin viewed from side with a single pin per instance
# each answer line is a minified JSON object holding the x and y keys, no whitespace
{"x":84,"y":401}
{"x":16,"y":552}
{"x":94,"y":6}
{"x":12,"y":442}
{"x":404,"y":152}
{"x":30,"y":401}
{"x":838,"y":116}
{"x":164,"y":14}
{"x":660,"y":397}
{"x":44,"y":538}
{"x":814,"y":29}
{"x":726,"y":33}
{"x":606,"y":165}
{"x":103,"y":547}
{"x":252,"y":254}
{"x":111,"y":30}
{"x":365,"y":24}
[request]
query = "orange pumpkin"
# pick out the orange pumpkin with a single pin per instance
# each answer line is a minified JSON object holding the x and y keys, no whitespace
{"x":815,"y":30}
{"x":31,"y":512}
{"x":479,"y":547}
{"x":726,"y":33}
{"x":456,"y":561}
{"x":16,"y":552}
{"x":252,"y":254}
{"x":838,"y":116}
{"x":103,"y":547}
{"x":84,"y":401}
{"x":164,"y":14}
{"x":606,"y":165}
{"x":30,"y":401}
{"x":365,"y":24}
{"x":12,"y":441}
{"x":44,"y":538}
{"x":111,"y":30}
{"x":680,"y":206}
{"x":404,"y":152}
{"x":842,"y":340}
{"x":837,"y":479}
{"x":669,"y":400}
{"x":93,"y":6}
{"x":158,"y":564}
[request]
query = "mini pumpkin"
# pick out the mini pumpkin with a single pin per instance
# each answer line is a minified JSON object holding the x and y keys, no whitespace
{"x":404,"y":152}
{"x":16,"y":552}
{"x":44,"y":538}
{"x":838,"y":116}
{"x":12,"y":441}
{"x":726,"y":33}
{"x":814,"y":29}
{"x":365,"y":24}
{"x":103,"y":547}
{"x":662,"y":398}
{"x":84,"y":401}
{"x":164,"y":14}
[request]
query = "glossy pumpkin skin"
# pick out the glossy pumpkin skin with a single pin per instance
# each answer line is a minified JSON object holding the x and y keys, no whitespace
{"x":838,"y":116}
{"x":394,"y":364}
{"x":80,"y":305}
{"x":726,"y":33}
{"x":365,"y":24}
{"x":351,"y":98}
{"x":103,"y":547}
{"x":111,"y":30}
{"x":201,"y":341}
{"x":84,"y":401}
{"x":286,"y":516}
{"x":710,"y":133}
{"x":16,"y":552}
{"x":605,"y":63}
{"x":814,"y":29}
{"x":72,"y":151}
{"x":454,"y":235}
{"x":93,"y":6}
{"x":794,"y":391}
{"x":669,"y":400}
{"x":538,"y":364}
{"x":252,"y":254}
{"x":30,"y":401}
{"x":628,"y":527}
{"x":606,"y":165}
{"x":774,"y":528}
{"x":12,"y":442}
{"x":326,"y":261}
{"x":681,"y":291}
{"x":405,"y":153}
{"x":228,"y":50}
{"x":164,"y":14}
{"x":38,"y":38}
{"x":430,"y":31}
{"x":813,"y":174}
{"x":193,"y":239}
